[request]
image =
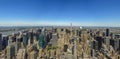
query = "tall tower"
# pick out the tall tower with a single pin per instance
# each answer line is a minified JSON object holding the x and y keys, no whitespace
{"x":0,"y":42}
{"x":10,"y":40}
{"x":71,"y":26}
{"x":74,"y":49}
{"x":25,"y":39}
{"x":107,"y":32}
{"x":10,"y":51}
{"x":40,"y":41}
{"x":71,"y":29}
{"x":4,"y":41}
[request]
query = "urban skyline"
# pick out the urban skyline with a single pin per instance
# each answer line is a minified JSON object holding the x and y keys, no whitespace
{"x":59,"y":29}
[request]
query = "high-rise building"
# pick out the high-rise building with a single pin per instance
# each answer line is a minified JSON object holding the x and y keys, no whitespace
{"x":30,"y":37}
{"x":112,"y":43}
{"x":117,"y":44}
{"x":21,"y":54}
{"x":54,"y":39}
{"x":117,"y":36}
{"x":10,"y":40}
{"x":50,"y":35}
{"x":5,"y":41}
{"x":65,"y":47}
{"x":0,"y":42}
{"x":35,"y":39}
{"x":33,"y":55}
{"x":44,"y":33}
{"x":41,"y":41}
{"x":17,"y":46}
{"x":10,"y":52}
{"x":48,"y":38}
{"x":92,"y":53}
{"x":25,"y":39}
{"x":94,"y":44}
{"x":107,"y":41}
{"x":107,"y":32}
{"x":76,"y":32}
{"x":54,"y":30}
{"x":100,"y":40}
{"x":75,"y":49}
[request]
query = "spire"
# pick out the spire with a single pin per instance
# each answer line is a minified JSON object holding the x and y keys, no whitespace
{"x":71,"y":26}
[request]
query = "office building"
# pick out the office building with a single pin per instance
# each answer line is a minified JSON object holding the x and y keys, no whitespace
{"x":112,"y":42}
{"x":10,"y":52}
{"x":25,"y":39}
{"x":41,"y":41}
{"x":65,"y":47}
{"x":30,"y":37}
{"x":33,"y":55}
{"x":0,"y":42}
{"x":10,"y":41}
{"x":21,"y":54}
{"x":107,"y":32}
{"x":107,"y":41}
{"x":5,"y":41}
{"x":54,"y":39}
{"x":117,"y":36}
{"x":100,"y":40}
{"x":94,"y":44}
{"x":117,"y":44}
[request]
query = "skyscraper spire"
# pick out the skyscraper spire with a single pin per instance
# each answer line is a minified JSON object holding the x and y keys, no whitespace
{"x":71,"y":26}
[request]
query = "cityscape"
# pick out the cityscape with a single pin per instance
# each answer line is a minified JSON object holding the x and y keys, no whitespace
{"x":59,"y":29}
{"x":60,"y":42}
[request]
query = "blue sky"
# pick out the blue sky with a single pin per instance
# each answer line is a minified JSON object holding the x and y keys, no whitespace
{"x":60,"y":12}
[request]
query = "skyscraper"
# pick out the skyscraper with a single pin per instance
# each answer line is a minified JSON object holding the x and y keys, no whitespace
{"x":10,"y":40}
{"x":40,"y":41}
{"x":30,"y":37}
{"x":10,"y":51}
{"x":94,"y":44}
{"x":21,"y":54}
{"x":44,"y":33}
{"x":107,"y":32}
{"x":112,"y":42}
{"x":54,"y":39}
{"x":0,"y":42}
{"x":25,"y":40}
{"x":100,"y":40}
{"x":5,"y":41}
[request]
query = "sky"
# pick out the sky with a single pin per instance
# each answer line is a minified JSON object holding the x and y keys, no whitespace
{"x":60,"y":12}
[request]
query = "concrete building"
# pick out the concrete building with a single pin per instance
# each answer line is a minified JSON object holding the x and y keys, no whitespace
{"x":0,"y":42}
{"x":54,"y":39}
{"x":33,"y":55}
{"x":21,"y":54}
{"x":2,"y":56}
{"x":10,"y":52}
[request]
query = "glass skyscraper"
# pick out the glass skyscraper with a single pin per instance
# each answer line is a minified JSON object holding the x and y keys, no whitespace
{"x":25,"y":40}
{"x":41,"y":41}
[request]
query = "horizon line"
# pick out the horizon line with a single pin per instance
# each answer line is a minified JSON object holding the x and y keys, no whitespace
{"x":52,"y":25}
